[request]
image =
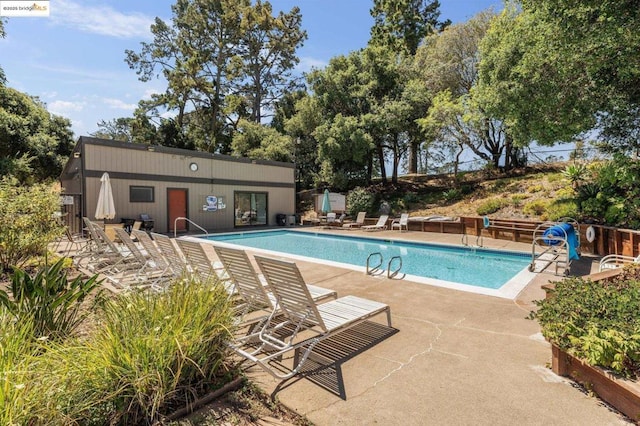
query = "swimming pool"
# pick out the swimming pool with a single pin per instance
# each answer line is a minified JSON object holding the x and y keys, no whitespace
{"x":494,"y":272}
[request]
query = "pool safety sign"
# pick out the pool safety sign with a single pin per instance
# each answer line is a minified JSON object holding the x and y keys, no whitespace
{"x":25,"y":8}
{"x":213,"y":203}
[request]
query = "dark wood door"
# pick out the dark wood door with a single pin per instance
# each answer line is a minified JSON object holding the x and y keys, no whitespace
{"x":177,"y":206}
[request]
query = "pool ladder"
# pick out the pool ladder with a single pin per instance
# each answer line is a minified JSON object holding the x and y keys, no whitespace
{"x":371,"y":270}
{"x":479,"y":240}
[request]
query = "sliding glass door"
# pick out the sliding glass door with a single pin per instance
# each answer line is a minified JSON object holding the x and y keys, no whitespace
{"x":250,"y":208}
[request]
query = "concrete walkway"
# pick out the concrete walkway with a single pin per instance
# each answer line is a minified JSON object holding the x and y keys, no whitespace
{"x":453,"y":358}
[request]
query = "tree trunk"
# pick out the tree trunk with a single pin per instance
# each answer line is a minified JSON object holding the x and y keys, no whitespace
{"x":414,"y":147}
{"x":383,"y":171}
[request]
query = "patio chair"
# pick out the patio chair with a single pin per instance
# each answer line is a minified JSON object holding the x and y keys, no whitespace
{"x":171,"y":253}
{"x":151,"y":273}
{"x":358,"y":223}
{"x":105,"y":257}
{"x":199,"y":263}
{"x":403,"y":222}
{"x":250,"y":287}
{"x":302,"y":314}
{"x":614,"y":261}
{"x":379,"y":226}
{"x":70,"y":245}
{"x":150,"y":248}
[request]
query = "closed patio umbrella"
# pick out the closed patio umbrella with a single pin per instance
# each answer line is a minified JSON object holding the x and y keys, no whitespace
{"x":326,"y":203}
{"x":105,"y":209}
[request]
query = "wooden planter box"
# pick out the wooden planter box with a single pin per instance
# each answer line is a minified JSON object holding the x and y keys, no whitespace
{"x":622,"y":394}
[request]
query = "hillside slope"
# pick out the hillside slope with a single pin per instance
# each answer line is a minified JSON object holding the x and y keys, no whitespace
{"x":538,"y":193}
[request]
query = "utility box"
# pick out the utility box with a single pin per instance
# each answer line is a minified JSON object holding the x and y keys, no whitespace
{"x":281,"y":219}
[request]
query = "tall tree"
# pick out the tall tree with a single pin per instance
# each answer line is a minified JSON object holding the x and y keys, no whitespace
{"x":118,"y":129}
{"x":3,"y":79}
{"x":448,"y":62}
{"x":552,"y":68}
{"x":268,"y":52}
{"x":401,"y":25}
{"x":223,"y":60}
{"x":34,"y":144}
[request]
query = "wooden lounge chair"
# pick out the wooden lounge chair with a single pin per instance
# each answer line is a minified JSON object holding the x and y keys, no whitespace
{"x":358,"y":223}
{"x":379,"y":226}
{"x":403,"y":222}
{"x":301,"y":314}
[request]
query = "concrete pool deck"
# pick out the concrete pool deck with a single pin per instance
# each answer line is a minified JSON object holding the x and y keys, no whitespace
{"x":452,"y":357}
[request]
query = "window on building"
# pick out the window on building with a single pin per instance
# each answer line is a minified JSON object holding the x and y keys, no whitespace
{"x":250,"y":208}
{"x":141,"y":194}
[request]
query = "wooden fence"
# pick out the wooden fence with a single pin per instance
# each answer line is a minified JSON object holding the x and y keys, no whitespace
{"x":609,"y":240}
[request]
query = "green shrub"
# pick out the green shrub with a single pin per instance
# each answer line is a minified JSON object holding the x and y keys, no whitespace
{"x":535,"y":188}
{"x":535,"y":207}
{"x":18,"y":387}
{"x":516,"y":199}
{"x":49,"y":299}
{"x":554,"y":177}
{"x":452,"y":195}
{"x":360,"y":200}
{"x":562,"y":208}
{"x":598,"y":322}
{"x":566,"y":193}
{"x":27,"y":224}
{"x":491,"y":205}
{"x":150,"y":353}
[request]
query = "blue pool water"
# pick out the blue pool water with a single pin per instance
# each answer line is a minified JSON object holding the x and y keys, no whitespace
{"x":485,"y":268}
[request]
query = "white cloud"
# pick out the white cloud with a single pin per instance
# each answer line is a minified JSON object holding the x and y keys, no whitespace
{"x":63,"y":108}
{"x":101,"y":20}
{"x":119,"y":104}
{"x":149,"y":92}
{"x":307,"y":63}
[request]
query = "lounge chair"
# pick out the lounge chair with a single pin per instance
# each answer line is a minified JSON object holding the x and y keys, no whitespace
{"x":403,"y":222}
{"x":252,"y":290}
{"x":614,"y":261}
{"x":301,"y":313}
{"x":150,"y":248}
{"x":150,"y":274}
{"x":106,"y":257}
{"x":358,"y":223}
{"x":200,"y":264}
{"x":171,"y":253}
{"x":379,"y":226}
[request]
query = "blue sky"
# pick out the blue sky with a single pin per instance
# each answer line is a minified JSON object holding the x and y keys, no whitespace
{"x":73,"y":60}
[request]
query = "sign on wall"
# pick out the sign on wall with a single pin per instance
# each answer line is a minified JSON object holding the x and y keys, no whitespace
{"x":213,"y":203}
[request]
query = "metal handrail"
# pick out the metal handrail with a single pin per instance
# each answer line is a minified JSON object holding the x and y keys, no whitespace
{"x":175,"y":227}
{"x":480,"y":241}
{"x":465,"y":240}
{"x":377,"y":267}
{"x":394,"y":273}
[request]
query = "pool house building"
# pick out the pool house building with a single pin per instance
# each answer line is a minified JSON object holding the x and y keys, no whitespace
{"x":161,"y":184}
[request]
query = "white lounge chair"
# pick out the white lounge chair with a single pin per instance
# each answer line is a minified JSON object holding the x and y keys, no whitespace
{"x":150,"y":274}
{"x":403,"y":222}
{"x":301,"y":313}
{"x":614,"y":261}
{"x":358,"y":223}
{"x":201,"y":265}
{"x":379,"y":226}
{"x":251,"y":289}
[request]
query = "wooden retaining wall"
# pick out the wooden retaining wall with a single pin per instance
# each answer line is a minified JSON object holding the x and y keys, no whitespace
{"x":609,"y":240}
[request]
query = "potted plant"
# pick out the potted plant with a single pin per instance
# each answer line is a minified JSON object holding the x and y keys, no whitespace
{"x":594,"y":330}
